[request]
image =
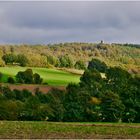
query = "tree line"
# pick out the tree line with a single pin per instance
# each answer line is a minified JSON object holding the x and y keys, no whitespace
{"x":112,"y":98}
{"x":63,"y":61}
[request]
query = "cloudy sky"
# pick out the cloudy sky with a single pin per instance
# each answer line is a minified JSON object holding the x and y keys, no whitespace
{"x":54,"y":22}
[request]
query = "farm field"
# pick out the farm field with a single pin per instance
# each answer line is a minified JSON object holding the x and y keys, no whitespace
{"x":53,"y":77}
{"x":16,"y":129}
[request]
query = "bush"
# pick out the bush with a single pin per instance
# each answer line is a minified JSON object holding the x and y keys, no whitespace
{"x":11,"y":80}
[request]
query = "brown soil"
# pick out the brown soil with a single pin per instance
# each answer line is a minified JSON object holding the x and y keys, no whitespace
{"x":32,"y":88}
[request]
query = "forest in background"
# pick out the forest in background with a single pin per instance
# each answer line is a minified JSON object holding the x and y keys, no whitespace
{"x":69,"y":55}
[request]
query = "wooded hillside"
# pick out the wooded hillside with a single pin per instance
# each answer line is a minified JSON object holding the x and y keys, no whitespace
{"x":67,"y":54}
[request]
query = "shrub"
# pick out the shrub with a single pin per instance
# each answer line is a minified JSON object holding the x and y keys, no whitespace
{"x":11,"y":80}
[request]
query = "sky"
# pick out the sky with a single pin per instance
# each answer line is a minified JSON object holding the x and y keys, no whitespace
{"x":56,"y":22}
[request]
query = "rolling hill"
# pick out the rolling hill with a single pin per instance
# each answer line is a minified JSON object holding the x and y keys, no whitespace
{"x":51,"y":76}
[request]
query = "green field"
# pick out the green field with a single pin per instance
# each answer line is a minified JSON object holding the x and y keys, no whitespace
{"x":50,"y":76}
{"x":27,"y":130}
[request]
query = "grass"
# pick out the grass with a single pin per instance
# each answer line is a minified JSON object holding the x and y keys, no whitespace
{"x":17,"y":129}
{"x":51,"y":76}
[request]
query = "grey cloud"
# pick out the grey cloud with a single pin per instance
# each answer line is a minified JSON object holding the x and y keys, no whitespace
{"x":48,"y":22}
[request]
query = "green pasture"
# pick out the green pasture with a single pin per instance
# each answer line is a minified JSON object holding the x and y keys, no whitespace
{"x":51,"y":76}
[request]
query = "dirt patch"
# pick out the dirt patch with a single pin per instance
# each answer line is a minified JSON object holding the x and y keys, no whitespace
{"x":32,"y":88}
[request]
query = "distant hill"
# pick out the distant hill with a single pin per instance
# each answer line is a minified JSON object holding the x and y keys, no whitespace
{"x":126,"y":56}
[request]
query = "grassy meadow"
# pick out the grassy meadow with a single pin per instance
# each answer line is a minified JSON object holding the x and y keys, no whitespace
{"x":53,"y":77}
{"x":17,"y":129}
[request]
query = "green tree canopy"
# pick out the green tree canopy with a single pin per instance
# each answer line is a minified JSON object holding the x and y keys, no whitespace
{"x":98,"y":65}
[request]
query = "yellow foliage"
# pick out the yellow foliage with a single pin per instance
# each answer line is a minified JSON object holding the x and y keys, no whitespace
{"x":95,"y":100}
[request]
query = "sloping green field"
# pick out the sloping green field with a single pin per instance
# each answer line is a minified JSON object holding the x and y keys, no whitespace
{"x":50,"y":76}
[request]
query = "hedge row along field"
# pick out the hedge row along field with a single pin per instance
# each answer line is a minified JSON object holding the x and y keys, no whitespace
{"x":51,"y":76}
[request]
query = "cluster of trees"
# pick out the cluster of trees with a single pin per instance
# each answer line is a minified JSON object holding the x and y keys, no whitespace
{"x":67,"y":62}
{"x":24,"y":77}
{"x":68,"y":54}
{"x":113,"y":98}
{"x":23,"y":105}
{"x":11,"y":58}
{"x":27,"y":77}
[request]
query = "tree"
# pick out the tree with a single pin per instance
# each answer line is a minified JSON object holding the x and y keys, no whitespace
{"x":55,"y":100}
{"x":22,"y":60}
{"x":118,"y":79}
{"x":78,"y":105}
{"x":31,"y":110}
{"x":20,"y":77}
{"x":26,"y":93}
{"x":74,"y":110}
{"x":122,"y":83}
{"x":80,"y":65}
{"x":10,"y":110}
{"x":18,"y":95}
{"x":42,"y":97}
{"x":92,"y":81}
{"x":65,"y":61}
{"x":6,"y":91}
{"x":11,"y":80}
{"x":9,"y":58}
{"x":131,"y":99}
{"x":52,"y":60}
{"x":112,"y":107}
{"x":98,"y":65}
{"x":37,"y":78}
